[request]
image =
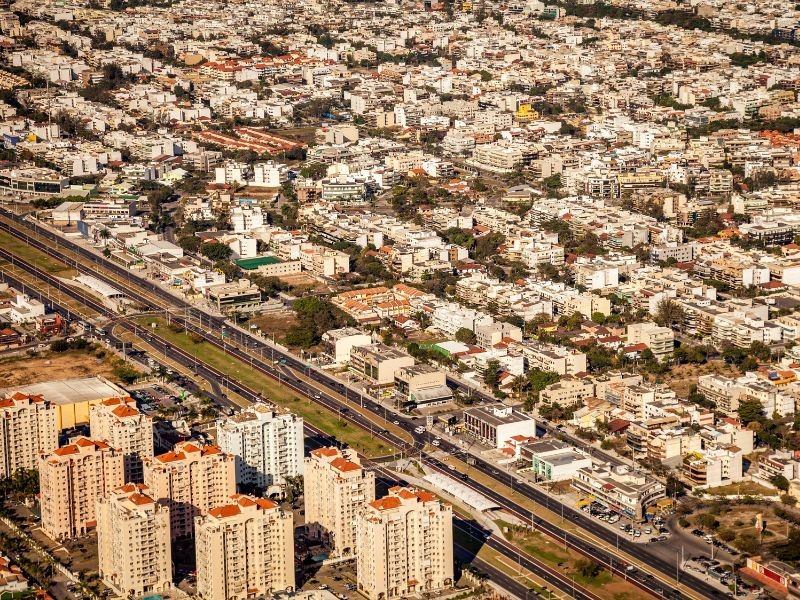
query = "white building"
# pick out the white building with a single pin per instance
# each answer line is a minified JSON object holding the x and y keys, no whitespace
{"x":268,"y":446}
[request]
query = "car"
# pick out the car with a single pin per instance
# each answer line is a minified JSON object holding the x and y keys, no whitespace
{"x":648,"y":530}
{"x":637,"y":533}
{"x":697,"y":533}
{"x":395,"y":422}
{"x":435,"y":442}
{"x":653,"y":539}
{"x":495,"y":472}
{"x":451,"y":467}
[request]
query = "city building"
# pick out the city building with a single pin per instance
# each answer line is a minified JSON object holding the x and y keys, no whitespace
{"x":190,"y":479}
{"x":28,"y":426}
{"x":119,"y":423}
{"x":627,"y":492}
{"x":336,"y":489}
{"x":268,"y":446}
{"x":133,"y":542}
{"x":71,"y":480}
{"x":244,"y":549}
{"x":495,"y":424}
{"x":378,"y":363}
{"x":422,"y":385}
{"x":404,"y":545}
{"x":339,"y":342}
{"x":553,"y":460}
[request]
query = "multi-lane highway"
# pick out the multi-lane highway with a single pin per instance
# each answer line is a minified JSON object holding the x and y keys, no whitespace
{"x":327,"y":391}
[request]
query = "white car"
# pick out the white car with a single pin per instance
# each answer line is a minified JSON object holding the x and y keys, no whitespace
{"x":435,"y":442}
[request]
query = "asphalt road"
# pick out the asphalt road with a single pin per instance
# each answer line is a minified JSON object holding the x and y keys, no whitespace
{"x":212,"y":325}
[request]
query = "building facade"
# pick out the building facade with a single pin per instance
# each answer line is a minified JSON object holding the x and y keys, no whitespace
{"x":72,"y":478}
{"x":268,"y":446}
{"x":190,"y":479}
{"x":133,"y":542}
{"x":245,"y":548}
{"x":28,"y":426}
{"x":336,"y":490}
{"x":404,"y":545}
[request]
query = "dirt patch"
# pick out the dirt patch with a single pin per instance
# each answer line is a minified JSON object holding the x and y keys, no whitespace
{"x":275,"y":324}
{"x":26,"y":370}
{"x":681,"y":377}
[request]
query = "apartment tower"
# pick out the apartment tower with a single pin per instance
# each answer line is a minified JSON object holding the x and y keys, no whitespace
{"x":28,"y":426}
{"x":336,"y":490}
{"x":191,"y":479}
{"x":245,"y":548}
{"x":72,"y":478}
{"x":268,"y":446}
{"x":133,"y":542}
{"x":118,"y":422}
{"x":404,"y":545}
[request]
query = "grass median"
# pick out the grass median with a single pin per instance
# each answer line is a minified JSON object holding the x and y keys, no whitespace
{"x":32,"y":255}
{"x":239,"y":371}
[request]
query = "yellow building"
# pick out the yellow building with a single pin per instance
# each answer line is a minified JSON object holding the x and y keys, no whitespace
{"x":73,"y":398}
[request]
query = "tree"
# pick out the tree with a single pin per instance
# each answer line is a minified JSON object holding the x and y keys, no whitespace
{"x":314,"y":170}
{"x":598,"y":318}
{"x":750,"y":410}
{"x":466,"y":336}
{"x":189,"y":243}
{"x":216,"y":251}
{"x":780,"y":482}
{"x":587,"y":568}
{"x":491,"y":375}
{"x":669,"y":313}
{"x":707,"y":521}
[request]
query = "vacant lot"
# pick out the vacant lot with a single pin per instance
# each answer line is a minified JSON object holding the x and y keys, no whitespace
{"x":736,"y":524}
{"x":26,"y":370}
{"x":681,"y":377}
{"x":277,"y":324}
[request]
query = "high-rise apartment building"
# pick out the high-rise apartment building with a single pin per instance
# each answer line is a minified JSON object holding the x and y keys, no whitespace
{"x":404,"y":545}
{"x":28,"y":426}
{"x":268,"y":446}
{"x":71,"y":479}
{"x":245,"y":548}
{"x":192,"y":479}
{"x":336,"y":490}
{"x":133,"y":542}
{"x":118,"y":422}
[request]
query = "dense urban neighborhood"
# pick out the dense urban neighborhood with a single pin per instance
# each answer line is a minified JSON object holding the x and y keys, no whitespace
{"x":404,"y":299}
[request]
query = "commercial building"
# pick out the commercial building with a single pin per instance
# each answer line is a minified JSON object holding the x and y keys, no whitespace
{"x":339,"y":342}
{"x":191,"y":479}
{"x":268,"y":446}
{"x":72,"y":398}
{"x":28,"y":426}
{"x":244,"y":549}
{"x":71,"y":479}
{"x":627,"y":492}
{"x":33,"y":181}
{"x":133,"y":542}
{"x":336,"y":490}
{"x":118,"y":422}
{"x":404,"y":545}
{"x":553,"y":460}
{"x":495,"y":424}
{"x":379,"y":362}
{"x":241,"y":295}
{"x":422,"y":385}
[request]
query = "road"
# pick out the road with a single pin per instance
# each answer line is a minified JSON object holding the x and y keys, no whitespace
{"x":211,"y":328}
